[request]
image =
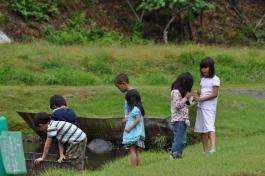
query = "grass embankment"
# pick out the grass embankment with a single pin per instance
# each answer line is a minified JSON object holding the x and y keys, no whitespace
{"x":94,"y":101}
{"x":46,"y":64}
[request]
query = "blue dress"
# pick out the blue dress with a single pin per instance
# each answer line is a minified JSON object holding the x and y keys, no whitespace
{"x":137,"y":134}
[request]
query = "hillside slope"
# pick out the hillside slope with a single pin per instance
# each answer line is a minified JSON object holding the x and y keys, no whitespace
{"x":230,"y":22}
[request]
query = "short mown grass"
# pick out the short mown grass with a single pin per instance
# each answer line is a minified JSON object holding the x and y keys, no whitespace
{"x":240,"y":148}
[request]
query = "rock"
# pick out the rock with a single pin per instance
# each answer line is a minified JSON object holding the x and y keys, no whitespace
{"x":100,"y":146}
{"x":4,"y":38}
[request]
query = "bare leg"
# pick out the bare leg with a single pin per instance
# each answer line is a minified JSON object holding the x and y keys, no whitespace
{"x":213,"y":140}
{"x":205,"y":142}
{"x":134,"y":157}
{"x":138,"y":158}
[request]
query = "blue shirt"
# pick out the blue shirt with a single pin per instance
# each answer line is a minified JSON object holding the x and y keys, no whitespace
{"x":138,"y":131}
{"x":64,"y":114}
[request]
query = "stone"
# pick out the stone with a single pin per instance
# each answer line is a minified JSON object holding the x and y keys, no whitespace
{"x":4,"y":38}
{"x":100,"y":146}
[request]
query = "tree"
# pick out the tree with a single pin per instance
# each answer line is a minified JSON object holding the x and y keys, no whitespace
{"x":177,"y":9}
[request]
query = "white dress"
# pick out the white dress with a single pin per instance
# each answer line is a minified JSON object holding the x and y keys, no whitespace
{"x":206,"y":111}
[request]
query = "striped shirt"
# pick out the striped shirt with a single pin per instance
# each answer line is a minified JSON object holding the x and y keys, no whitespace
{"x":65,"y":132}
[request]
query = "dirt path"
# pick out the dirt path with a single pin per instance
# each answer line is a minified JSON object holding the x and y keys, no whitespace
{"x":260,"y":94}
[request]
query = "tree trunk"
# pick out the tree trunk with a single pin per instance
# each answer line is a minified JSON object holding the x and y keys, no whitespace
{"x":165,"y":32}
{"x":138,"y":18}
{"x":190,"y":30}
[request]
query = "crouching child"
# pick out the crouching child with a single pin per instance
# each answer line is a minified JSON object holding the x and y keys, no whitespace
{"x":65,"y":133}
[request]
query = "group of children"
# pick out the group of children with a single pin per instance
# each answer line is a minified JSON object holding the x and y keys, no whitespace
{"x":63,"y":123}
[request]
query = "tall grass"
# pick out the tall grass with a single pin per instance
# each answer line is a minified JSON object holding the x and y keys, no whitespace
{"x":45,"y":64}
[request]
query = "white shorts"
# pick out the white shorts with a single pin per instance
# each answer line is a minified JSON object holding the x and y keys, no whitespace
{"x":205,"y":120}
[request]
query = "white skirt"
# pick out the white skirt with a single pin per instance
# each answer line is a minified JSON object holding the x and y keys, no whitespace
{"x":205,"y":120}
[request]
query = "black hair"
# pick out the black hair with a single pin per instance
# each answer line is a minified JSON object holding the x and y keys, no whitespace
{"x":41,"y":118}
{"x":133,"y":98}
{"x":120,"y":78}
{"x":183,"y":83}
{"x":57,"y":101}
{"x":208,"y":62}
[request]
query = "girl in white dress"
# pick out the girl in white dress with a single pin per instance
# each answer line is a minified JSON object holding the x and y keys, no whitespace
{"x":207,"y":102}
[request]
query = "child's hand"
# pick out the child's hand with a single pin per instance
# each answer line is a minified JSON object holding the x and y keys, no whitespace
{"x":127,"y":130}
{"x":38,"y":160}
{"x":188,"y":95}
{"x":196,"y":98}
{"x":125,"y":119}
{"x":60,"y":160}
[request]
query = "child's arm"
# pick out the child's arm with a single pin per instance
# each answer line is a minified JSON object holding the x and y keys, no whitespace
{"x":124,"y":120}
{"x":137,"y":120}
{"x":178,"y":101}
{"x":213,"y":95}
{"x":45,"y":150}
{"x":61,"y":150}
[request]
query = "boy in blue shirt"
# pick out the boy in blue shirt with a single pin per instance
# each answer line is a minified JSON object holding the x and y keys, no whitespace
{"x":60,"y":110}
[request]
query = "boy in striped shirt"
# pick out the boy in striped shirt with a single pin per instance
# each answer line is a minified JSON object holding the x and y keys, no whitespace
{"x":64,"y":132}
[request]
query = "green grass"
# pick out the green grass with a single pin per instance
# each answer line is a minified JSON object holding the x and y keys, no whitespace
{"x":240,"y":147}
{"x":31,"y":73}
{"x":42,"y":63}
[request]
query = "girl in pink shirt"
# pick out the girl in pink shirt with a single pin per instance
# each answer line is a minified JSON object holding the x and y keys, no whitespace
{"x":180,"y":93}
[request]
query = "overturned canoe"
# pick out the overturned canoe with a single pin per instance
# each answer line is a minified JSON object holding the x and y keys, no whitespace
{"x":111,"y":128}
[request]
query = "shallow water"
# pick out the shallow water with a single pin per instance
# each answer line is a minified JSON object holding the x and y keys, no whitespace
{"x":93,"y":161}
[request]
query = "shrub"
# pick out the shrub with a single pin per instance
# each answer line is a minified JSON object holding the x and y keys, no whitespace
{"x":159,"y":142}
{"x":39,"y":10}
{"x":76,"y":33}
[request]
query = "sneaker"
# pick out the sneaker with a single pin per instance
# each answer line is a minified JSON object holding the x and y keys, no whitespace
{"x":176,"y":157}
{"x":212,"y":151}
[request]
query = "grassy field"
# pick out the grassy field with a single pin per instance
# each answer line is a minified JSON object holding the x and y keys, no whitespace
{"x":240,"y":147}
{"x":31,"y":73}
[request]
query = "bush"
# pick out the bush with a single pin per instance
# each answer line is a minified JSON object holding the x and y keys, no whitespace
{"x":39,"y":10}
{"x":159,"y":142}
{"x":76,"y":33}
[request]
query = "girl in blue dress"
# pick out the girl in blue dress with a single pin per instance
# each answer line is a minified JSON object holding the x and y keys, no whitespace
{"x":134,"y":133}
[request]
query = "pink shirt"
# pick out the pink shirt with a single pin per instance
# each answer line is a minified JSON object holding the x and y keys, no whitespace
{"x":179,"y":109}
